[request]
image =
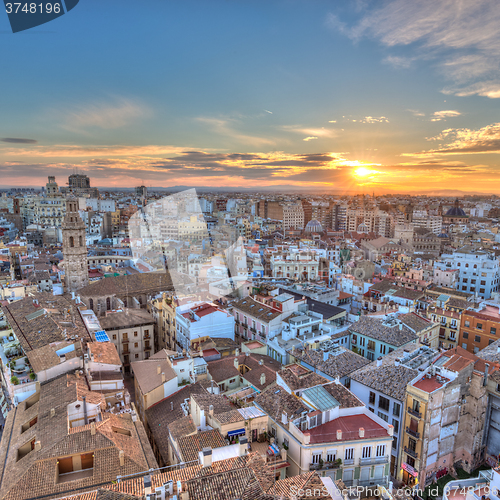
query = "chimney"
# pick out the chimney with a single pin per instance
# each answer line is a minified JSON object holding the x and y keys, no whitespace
{"x":92,"y":428}
{"x":307,"y":438}
{"x":236,"y":363}
{"x":400,"y":326}
{"x":211,"y":410}
{"x":379,"y":361}
{"x":397,"y":362}
{"x":38,"y":445}
{"x":261,"y":362}
{"x":147,"y":485}
{"x":121,"y":455}
{"x":85,"y":419}
{"x":361,"y":432}
{"x":184,"y":495}
{"x":390,"y":430}
{"x":52,"y":412}
{"x":486,"y":368}
{"x":158,"y":370}
{"x":339,"y":434}
{"x":162,"y":377}
{"x":325,"y":356}
{"x":498,"y":349}
{"x":283,"y":454}
{"x":205,"y":457}
{"x":262,"y":379}
{"x":237,"y":351}
{"x":243,"y":446}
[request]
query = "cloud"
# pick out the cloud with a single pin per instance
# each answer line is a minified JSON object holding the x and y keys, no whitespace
{"x":267,"y":111}
{"x":310,"y":138}
{"x":416,"y":112}
{"x":373,"y":119}
{"x":311,"y":132}
{"x":332,"y":121}
{"x":463,"y":36}
{"x":442,"y":115}
{"x":398,"y":61}
{"x":15,"y":140}
{"x":466,"y":141}
{"x":228,"y":128}
{"x":118,"y":113}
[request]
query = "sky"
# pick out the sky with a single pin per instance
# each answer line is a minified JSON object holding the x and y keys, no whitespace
{"x":396,"y":96}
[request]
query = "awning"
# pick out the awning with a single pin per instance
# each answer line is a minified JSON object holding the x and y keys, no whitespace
{"x":409,"y":469}
{"x":237,"y":432}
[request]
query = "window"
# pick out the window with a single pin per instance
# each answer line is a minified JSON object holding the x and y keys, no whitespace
{"x":367,"y":452}
{"x":383,"y":416}
{"x":383,"y":403}
{"x":412,"y":444}
{"x":114,"y":336}
{"x":71,"y":241}
{"x":137,"y":356}
{"x":136,"y":344}
{"x":371,"y":409}
{"x":483,"y":282}
{"x":493,"y":331}
{"x":465,"y":335}
{"x":371,"y":345}
{"x":135,"y":334}
{"x":354,"y":338}
{"x":382,"y":349}
{"x":416,"y":405}
{"x":396,"y":409}
{"x":491,"y":341}
{"x":479,"y":326}
{"x":481,"y":290}
{"x":394,"y":443}
{"x":372,"y":398}
{"x":477,"y":338}
{"x":380,"y":450}
{"x":410,"y":461}
{"x":232,"y":380}
{"x":146,"y":332}
{"x":395,"y":424}
{"x":316,"y":457}
{"x":349,"y":453}
{"x":331,"y":456}
{"x":467,"y":324}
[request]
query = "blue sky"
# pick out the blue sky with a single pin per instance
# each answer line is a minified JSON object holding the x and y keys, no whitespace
{"x":338,"y":95}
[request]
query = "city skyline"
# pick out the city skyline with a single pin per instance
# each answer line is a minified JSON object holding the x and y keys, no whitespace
{"x":392,"y":97}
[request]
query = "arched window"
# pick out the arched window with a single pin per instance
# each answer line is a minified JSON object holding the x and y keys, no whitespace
{"x":81,"y":241}
{"x":108,"y":304}
{"x":71,"y":241}
{"x":91,"y":304}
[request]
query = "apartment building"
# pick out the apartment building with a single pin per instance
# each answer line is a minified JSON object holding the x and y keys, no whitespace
{"x":302,"y":266}
{"x":381,"y":386}
{"x":327,"y":428}
{"x":478,"y":270}
{"x":293,"y":216}
{"x":444,"y":420}
{"x":479,"y":327}
{"x":372,"y":337}
{"x":132,"y":332}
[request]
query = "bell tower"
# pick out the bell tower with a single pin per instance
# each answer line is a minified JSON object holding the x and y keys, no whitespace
{"x":74,"y":248}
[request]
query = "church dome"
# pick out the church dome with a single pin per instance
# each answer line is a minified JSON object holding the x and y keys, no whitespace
{"x":363,"y":228}
{"x":456,"y":211}
{"x":314,"y":226}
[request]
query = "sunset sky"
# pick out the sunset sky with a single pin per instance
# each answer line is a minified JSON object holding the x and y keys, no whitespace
{"x":336,"y":96}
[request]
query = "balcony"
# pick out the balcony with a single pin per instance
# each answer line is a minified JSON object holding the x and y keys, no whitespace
{"x":415,"y":413}
{"x":373,"y":460}
{"x":411,"y":452}
{"x":125,"y":340}
{"x":325,"y":466}
{"x":374,"y":481}
{"x":349,"y":461}
{"x":413,"y":433}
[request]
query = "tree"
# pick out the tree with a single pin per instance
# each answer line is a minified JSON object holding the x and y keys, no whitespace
{"x":14,"y":380}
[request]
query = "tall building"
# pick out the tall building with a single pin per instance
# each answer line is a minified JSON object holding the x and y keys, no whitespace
{"x":78,"y":181}
{"x":293,"y":216}
{"x":141,"y":191}
{"x":74,"y":248}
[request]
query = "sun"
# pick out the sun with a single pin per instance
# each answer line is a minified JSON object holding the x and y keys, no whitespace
{"x":362,"y":172}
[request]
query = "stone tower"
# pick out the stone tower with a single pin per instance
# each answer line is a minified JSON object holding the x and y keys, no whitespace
{"x":74,"y":248}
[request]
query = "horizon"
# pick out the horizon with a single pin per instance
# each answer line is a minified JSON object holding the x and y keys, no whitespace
{"x":393,"y":96}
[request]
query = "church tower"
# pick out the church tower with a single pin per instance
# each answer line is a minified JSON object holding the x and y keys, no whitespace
{"x":74,"y":248}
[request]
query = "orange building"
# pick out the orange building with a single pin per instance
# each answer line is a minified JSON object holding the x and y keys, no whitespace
{"x":479,"y":329}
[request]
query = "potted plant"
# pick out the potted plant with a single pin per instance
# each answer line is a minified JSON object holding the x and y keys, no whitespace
{"x":285,"y":446}
{"x":338,"y":462}
{"x":321,"y":463}
{"x":14,"y":380}
{"x":32,"y":376}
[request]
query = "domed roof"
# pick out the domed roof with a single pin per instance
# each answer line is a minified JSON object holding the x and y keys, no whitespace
{"x":443,"y":235}
{"x":363,"y":228}
{"x":456,"y":211}
{"x":314,"y":226}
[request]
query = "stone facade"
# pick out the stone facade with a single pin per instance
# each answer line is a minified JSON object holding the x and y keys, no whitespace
{"x":74,"y":248}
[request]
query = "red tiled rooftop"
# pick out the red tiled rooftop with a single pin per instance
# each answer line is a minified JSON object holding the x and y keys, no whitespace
{"x":349,"y":426}
{"x":430,"y":384}
{"x":298,"y":369}
{"x":489,"y":312}
{"x":254,"y":345}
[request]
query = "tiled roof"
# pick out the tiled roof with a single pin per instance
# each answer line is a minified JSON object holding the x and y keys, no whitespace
{"x":134,"y":284}
{"x":148,"y":372}
{"x":388,"y":378}
{"x":415,"y":322}
{"x":296,"y":382}
{"x":340,"y":365}
{"x":190,"y":446}
{"x":491,"y":352}
{"x":182,"y":427}
{"x":275,"y":401}
{"x":127,"y":318}
{"x":218,"y":402}
{"x":105,"y":352}
{"x":343,"y":395}
{"x":165,"y":412}
{"x":256,"y":309}
{"x":230,"y":417}
{"x":35,"y":474}
{"x":45,"y":357}
{"x":374,"y":328}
